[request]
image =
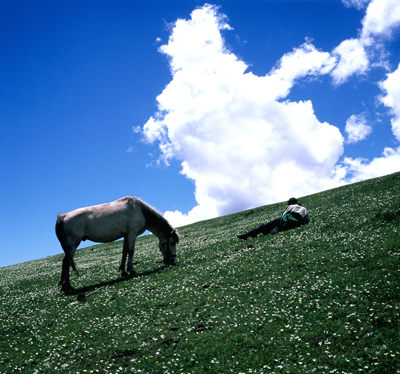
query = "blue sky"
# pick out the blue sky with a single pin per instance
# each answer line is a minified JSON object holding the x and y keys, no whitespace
{"x":199,"y":109}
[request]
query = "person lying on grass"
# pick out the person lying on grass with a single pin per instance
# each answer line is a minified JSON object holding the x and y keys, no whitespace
{"x":294,"y":216}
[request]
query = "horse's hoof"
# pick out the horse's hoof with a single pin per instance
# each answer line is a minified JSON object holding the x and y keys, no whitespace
{"x":169,"y":261}
{"x":133,"y":274}
{"x":124,"y":274}
{"x":81,"y":297}
{"x":241,"y":237}
{"x":67,"y":289}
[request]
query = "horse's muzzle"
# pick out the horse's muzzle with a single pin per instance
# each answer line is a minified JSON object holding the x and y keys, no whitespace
{"x":169,"y":260}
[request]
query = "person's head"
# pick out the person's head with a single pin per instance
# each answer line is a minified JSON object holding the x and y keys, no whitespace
{"x":293,"y":201}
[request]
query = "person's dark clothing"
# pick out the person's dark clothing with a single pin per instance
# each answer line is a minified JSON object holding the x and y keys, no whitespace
{"x":294,"y":216}
{"x":265,"y":229}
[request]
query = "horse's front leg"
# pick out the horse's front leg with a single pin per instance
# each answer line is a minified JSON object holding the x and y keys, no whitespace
{"x":123,"y":260}
{"x":129,"y":267}
{"x":128,"y":249}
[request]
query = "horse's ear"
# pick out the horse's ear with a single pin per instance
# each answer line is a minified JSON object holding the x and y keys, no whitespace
{"x":174,"y":232}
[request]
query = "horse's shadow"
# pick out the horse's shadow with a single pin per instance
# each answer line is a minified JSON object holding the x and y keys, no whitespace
{"x":94,"y":287}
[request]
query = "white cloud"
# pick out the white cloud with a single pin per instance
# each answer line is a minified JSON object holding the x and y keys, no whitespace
{"x":381,"y":18}
{"x":352,"y":59}
{"x":361,"y":169}
{"x":357,"y":129}
{"x":391,"y":87}
{"x":356,"y":56}
{"x":359,"y":4}
{"x":240,"y":146}
{"x":301,"y":62}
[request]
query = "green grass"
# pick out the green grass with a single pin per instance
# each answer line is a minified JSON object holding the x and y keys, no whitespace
{"x":322,"y":298}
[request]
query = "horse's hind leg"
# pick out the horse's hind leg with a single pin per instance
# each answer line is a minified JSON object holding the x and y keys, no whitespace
{"x":62,"y":280}
{"x":67,"y":262}
{"x":131,"y":250}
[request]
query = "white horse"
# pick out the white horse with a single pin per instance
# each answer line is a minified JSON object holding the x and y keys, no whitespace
{"x":125,"y":218}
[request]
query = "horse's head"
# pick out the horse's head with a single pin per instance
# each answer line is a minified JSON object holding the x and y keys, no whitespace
{"x":168,"y":247}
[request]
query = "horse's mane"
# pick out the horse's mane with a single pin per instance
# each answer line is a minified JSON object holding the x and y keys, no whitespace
{"x":155,"y":218}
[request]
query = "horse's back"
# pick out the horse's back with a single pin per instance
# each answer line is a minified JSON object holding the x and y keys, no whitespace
{"x":105,"y":222}
{"x":120,"y":206}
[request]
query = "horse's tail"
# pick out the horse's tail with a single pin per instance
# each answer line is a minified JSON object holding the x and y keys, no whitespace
{"x":60,"y":232}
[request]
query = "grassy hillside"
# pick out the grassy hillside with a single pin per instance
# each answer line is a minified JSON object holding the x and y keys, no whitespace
{"x":322,"y":298}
